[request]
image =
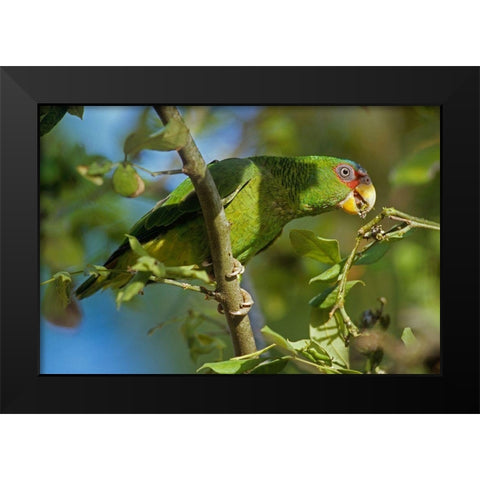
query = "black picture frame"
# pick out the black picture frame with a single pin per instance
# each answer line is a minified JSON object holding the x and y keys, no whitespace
{"x":455,"y":89}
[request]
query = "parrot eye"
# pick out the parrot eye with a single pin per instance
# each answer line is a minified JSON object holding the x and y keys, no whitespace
{"x":346,"y":172}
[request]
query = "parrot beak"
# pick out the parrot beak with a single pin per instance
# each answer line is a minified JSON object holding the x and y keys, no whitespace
{"x":360,"y":200}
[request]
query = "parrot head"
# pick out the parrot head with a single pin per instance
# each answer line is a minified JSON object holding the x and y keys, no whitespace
{"x":361,"y":195}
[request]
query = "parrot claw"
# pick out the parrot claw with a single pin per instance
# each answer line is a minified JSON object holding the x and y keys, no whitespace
{"x":245,"y":306}
{"x":238,"y":269}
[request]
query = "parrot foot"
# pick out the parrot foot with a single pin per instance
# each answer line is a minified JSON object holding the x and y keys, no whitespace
{"x":245,"y":306}
{"x":238,"y":269}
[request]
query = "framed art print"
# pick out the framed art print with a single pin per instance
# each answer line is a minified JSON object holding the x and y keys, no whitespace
{"x":325,"y":262}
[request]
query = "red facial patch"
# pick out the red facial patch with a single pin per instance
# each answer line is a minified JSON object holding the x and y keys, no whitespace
{"x":351,"y":184}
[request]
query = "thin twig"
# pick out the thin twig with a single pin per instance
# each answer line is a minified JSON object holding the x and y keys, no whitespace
{"x":185,"y":286}
{"x":52,"y":279}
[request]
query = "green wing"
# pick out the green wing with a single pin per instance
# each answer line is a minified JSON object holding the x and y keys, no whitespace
{"x":229,"y":175}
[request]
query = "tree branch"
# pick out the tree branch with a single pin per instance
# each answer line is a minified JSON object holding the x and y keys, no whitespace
{"x":218,"y":231}
{"x":372,"y":230}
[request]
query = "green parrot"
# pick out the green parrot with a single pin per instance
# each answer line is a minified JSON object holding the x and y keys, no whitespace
{"x":260,"y":196}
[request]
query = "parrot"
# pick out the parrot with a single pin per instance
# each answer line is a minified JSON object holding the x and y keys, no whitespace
{"x":260,"y":195}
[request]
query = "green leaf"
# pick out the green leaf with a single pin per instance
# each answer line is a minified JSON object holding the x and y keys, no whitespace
{"x":349,"y":371}
{"x":68,"y":316}
{"x":317,"y":354}
{"x":312,"y":350}
{"x":126,"y":181}
{"x":57,"y":305}
{"x":100,"y":166}
{"x":149,"y":264}
{"x":277,"y":339}
{"x":52,"y":116}
{"x":418,"y":168}
{"x":173,"y":137}
{"x":308,"y":244}
{"x":199,"y":343}
{"x":96,"y":170}
{"x":232,"y":366}
{"x":298,"y":345}
{"x":373,"y":254}
{"x":76,"y":110}
{"x":328,"y":297}
{"x":326,"y":333}
{"x":319,"y":316}
{"x":311,"y":367}
{"x":408,"y":338}
{"x":63,"y":287}
{"x":271,"y":366}
{"x":378,"y":249}
{"x":132,"y":288}
{"x":321,"y":351}
{"x":188,"y":271}
{"x":136,"y":246}
{"x":328,"y":275}
{"x":83,"y":171}
{"x":203,"y":344}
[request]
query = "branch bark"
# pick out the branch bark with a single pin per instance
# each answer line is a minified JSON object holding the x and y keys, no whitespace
{"x":218,"y":231}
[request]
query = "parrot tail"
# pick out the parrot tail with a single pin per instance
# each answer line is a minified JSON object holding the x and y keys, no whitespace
{"x":90,"y":286}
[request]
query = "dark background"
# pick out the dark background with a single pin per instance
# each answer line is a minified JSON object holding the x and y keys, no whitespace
{"x":456,"y":390}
